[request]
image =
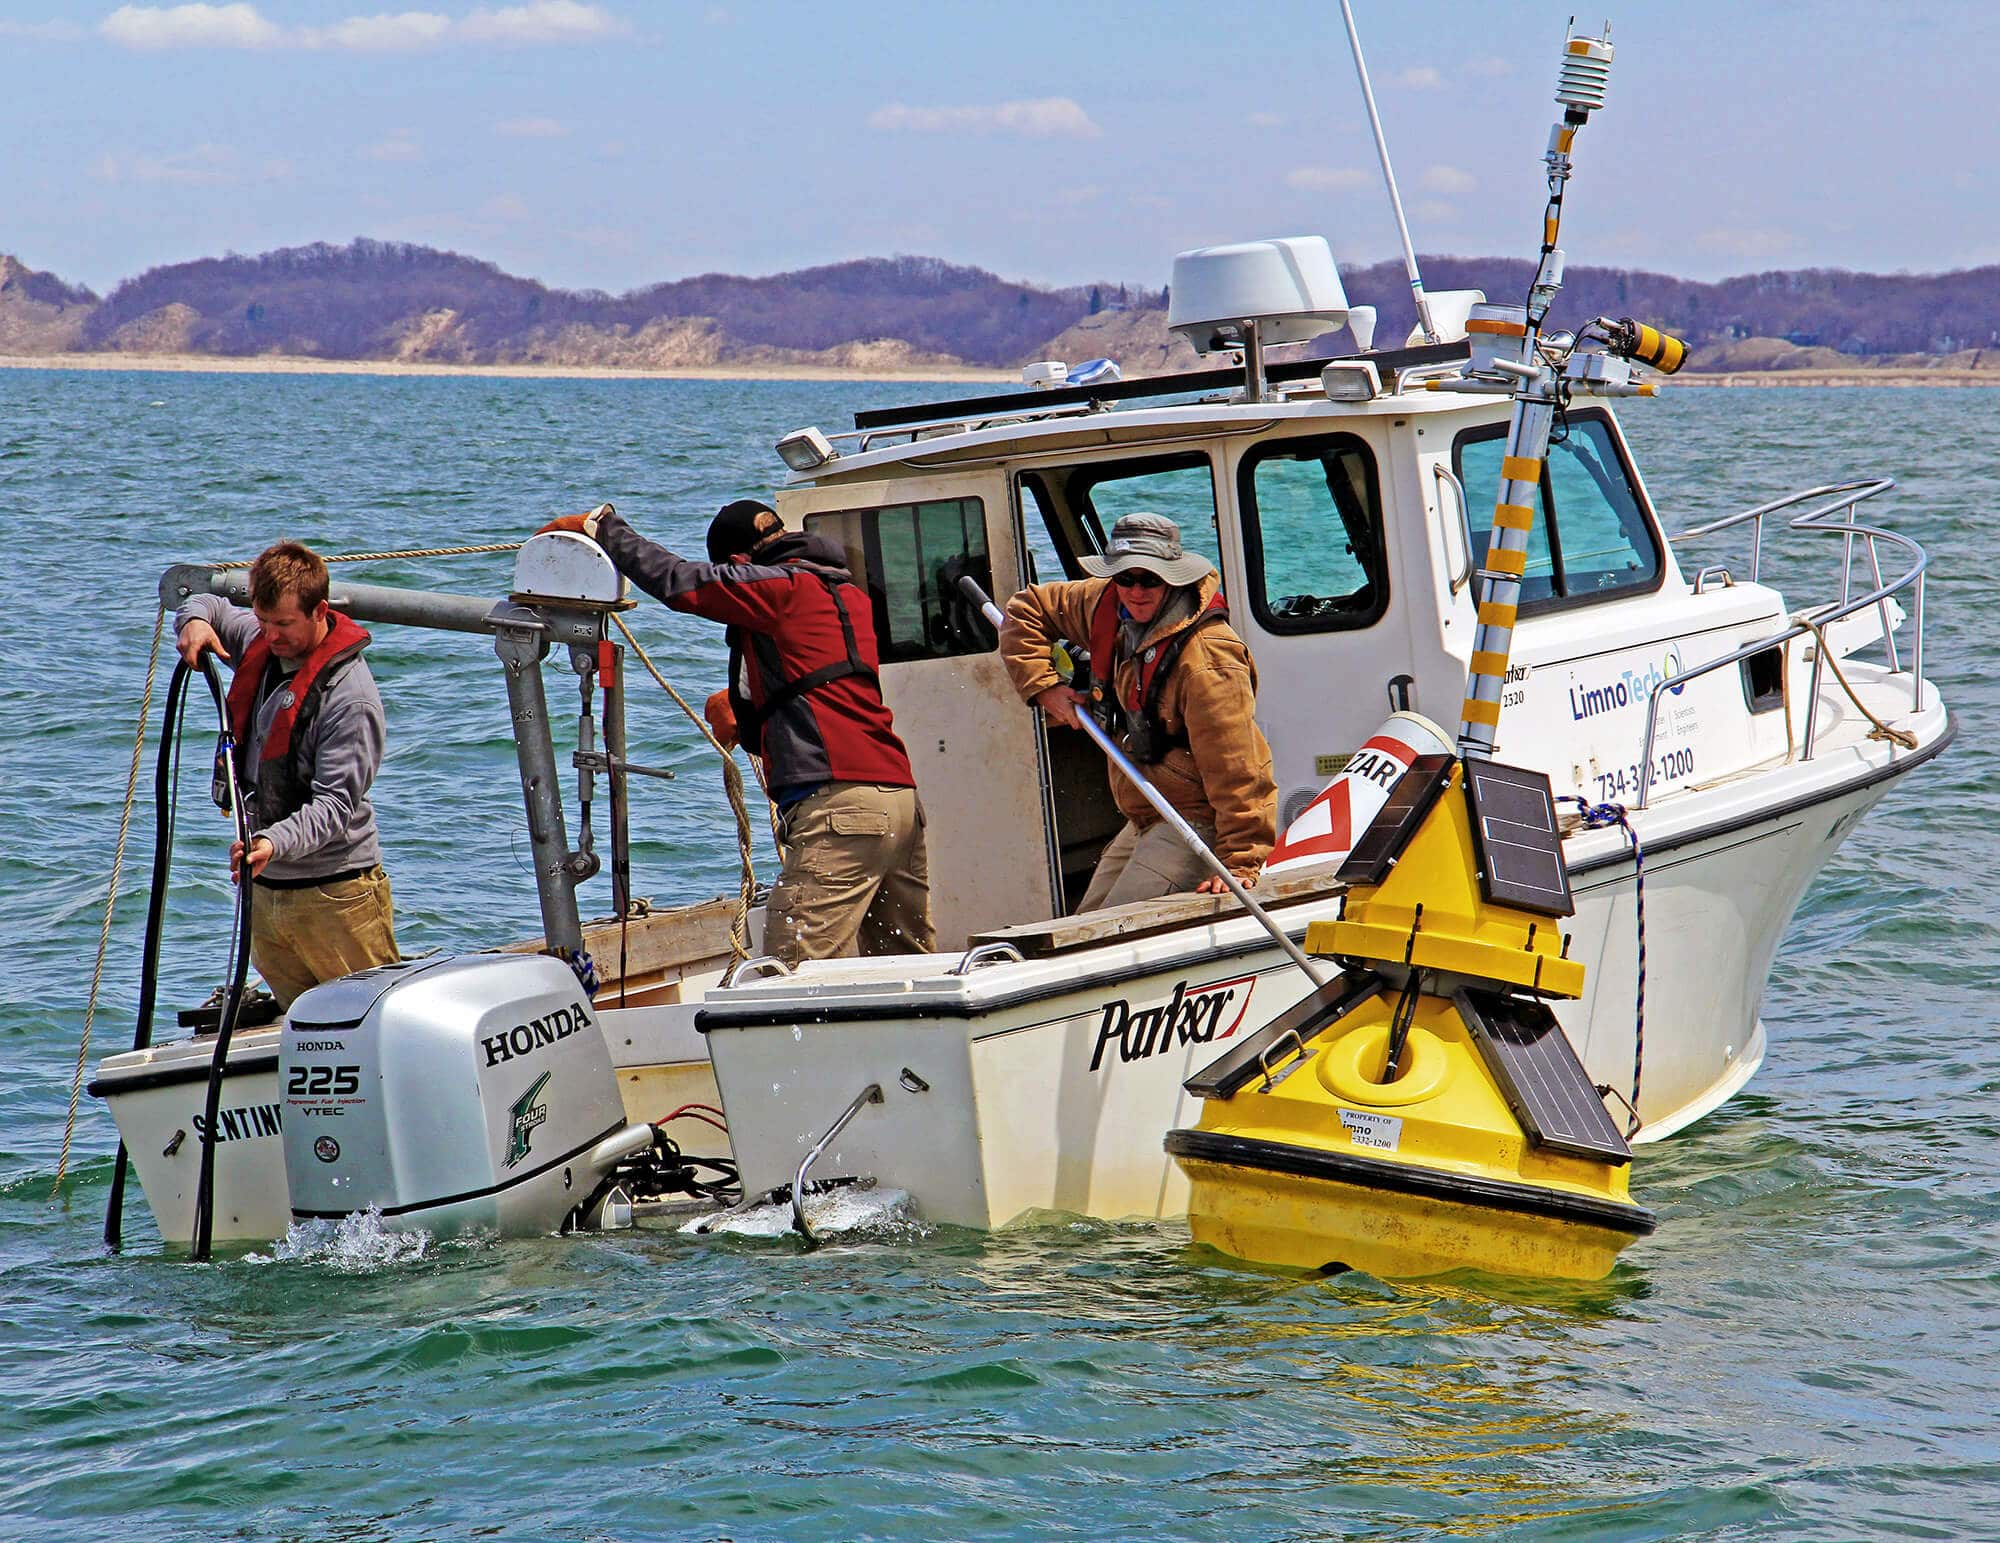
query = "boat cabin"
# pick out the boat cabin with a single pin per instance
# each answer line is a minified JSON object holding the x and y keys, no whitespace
{"x":1347,"y":533}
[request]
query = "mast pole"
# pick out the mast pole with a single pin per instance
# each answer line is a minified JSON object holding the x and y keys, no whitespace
{"x":1537,"y":393}
{"x":1389,"y":176}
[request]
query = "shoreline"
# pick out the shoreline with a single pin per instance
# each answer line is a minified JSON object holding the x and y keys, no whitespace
{"x":1900,"y":379}
{"x":294,"y":364}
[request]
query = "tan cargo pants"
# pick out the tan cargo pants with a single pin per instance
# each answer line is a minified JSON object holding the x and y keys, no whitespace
{"x":856,"y":878}
{"x":1144,"y":865}
{"x":301,"y":937}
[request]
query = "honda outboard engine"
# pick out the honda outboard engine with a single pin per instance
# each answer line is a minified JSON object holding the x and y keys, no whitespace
{"x":454,"y":1093}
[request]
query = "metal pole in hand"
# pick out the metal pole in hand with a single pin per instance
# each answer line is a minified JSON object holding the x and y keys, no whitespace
{"x":1314,"y":971}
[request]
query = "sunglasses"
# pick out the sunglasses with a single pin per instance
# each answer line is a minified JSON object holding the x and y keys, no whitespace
{"x":1138,"y":578}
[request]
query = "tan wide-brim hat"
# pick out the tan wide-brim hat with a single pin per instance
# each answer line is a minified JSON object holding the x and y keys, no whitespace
{"x":1152,"y":542}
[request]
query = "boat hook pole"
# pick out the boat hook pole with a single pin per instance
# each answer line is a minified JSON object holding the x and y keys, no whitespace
{"x":1314,"y":972}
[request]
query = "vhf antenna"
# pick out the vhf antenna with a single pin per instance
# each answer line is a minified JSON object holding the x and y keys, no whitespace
{"x":1389,"y":176}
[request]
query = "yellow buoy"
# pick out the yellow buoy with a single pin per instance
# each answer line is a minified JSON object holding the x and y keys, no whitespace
{"x":1423,"y":1112}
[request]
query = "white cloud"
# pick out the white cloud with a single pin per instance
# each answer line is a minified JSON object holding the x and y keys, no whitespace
{"x":1266,"y":121}
{"x":397,"y":147}
{"x":505,"y":206}
{"x":542,"y":21}
{"x":1421,"y":78}
{"x":1447,"y":179}
{"x":1327,"y":179}
{"x":404,"y":32}
{"x":190,"y":26}
{"x":1433,"y":211}
{"x":531,"y":128}
{"x":244,"y":26}
{"x":1753,"y":243}
{"x":1051,"y":117}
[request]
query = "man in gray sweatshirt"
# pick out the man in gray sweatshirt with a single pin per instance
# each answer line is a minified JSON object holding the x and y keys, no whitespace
{"x":309,"y":733}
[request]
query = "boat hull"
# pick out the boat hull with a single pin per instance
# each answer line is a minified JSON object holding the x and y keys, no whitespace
{"x":1057,"y":1097}
{"x":157,"y":1097}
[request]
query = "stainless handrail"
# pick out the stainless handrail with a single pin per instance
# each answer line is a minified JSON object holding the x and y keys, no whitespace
{"x":1841,"y":497}
{"x":1444,"y":474}
{"x":981,"y":954}
{"x":1864,"y":488}
{"x":762,"y":964}
{"x":872,"y":1094}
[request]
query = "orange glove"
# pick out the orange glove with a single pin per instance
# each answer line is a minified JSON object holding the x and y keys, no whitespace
{"x":721,"y":719}
{"x":584,"y":524}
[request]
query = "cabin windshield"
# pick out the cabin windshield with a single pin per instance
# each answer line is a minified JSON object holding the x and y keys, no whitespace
{"x":910,"y":558}
{"x":1591,"y":538}
{"x":1079,"y":504}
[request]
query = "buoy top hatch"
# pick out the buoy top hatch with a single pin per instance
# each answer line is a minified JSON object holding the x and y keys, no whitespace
{"x":1460,"y":874}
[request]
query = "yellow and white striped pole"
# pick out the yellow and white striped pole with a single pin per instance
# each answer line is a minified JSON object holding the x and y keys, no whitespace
{"x":1499,"y":584}
{"x":1586,"y":64}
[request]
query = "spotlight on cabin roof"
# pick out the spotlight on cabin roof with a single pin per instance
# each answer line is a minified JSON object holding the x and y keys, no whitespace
{"x":806,"y":450}
{"x":1286,"y":289}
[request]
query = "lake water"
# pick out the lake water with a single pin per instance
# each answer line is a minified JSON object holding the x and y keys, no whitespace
{"x":1805,"y":1349}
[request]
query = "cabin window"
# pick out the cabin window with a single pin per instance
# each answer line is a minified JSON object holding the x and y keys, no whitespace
{"x":1312,"y":531}
{"x":1591,"y":539}
{"x":1079,"y":505}
{"x":910,"y":558}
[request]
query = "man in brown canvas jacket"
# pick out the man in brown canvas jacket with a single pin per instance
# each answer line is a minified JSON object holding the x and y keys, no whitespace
{"x":1184,"y":691}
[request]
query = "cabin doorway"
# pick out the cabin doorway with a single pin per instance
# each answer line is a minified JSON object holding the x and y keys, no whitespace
{"x":1064,"y":512}
{"x":973,"y":746}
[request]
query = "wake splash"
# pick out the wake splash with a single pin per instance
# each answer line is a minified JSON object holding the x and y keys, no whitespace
{"x":358,"y":1244}
{"x":832,"y":1211}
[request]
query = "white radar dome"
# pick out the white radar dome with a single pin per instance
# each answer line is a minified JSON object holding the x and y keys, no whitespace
{"x":1288,"y":286}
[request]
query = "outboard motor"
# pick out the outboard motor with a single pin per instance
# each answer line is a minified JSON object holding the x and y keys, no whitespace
{"x":454,"y":1093}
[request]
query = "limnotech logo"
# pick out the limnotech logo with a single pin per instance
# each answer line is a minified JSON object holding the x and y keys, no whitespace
{"x":527,"y":1113}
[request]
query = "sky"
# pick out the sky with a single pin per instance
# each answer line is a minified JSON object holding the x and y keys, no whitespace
{"x":618,"y":144}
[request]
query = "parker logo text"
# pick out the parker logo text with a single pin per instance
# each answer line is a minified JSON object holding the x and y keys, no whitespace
{"x":525,"y":1037}
{"x":1194,"y":1017}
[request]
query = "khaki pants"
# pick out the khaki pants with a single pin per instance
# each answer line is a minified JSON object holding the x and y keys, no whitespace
{"x":856,"y":878}
{"x":1144,"y":865}
{"x":301,"y":937}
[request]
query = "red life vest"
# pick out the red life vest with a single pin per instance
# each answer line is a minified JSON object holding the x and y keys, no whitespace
{"x":285,"y":783}
{"x":1138,"y":724}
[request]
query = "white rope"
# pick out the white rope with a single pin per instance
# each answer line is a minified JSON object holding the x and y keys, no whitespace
{"x":732,"y":780}
{"x":110,"y":901}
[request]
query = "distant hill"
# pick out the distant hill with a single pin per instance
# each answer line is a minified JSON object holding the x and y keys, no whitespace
{"x":378,"y":300}
{"x":39,"y":313}
{"x":373,"y":300}
{"x":1856,"y":316}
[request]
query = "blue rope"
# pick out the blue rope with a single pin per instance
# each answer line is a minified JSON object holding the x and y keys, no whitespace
{"x":1596,"y":817}
{"x":584,"y":966}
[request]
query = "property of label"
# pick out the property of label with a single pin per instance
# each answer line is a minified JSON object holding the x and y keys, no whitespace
{"x":1381,"y":1131}
{"x":1329,"y":765}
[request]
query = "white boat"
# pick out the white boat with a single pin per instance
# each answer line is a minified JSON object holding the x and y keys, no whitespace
{"x":1037,"y":1064}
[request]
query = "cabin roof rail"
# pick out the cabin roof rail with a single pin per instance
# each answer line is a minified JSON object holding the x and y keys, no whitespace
{"x":1042,"y":403}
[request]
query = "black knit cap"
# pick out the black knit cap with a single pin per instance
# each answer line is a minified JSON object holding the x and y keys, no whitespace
{"x":734,"y":529}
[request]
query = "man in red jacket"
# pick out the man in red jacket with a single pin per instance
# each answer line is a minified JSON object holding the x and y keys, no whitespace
{"x":805,"y":696}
